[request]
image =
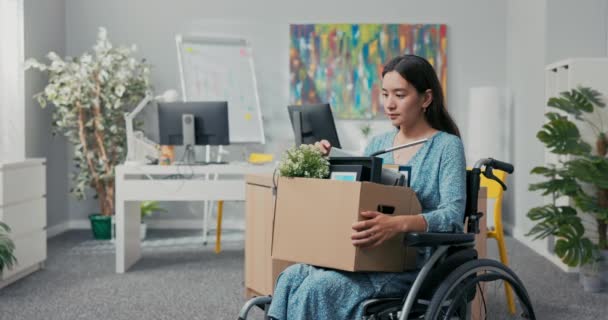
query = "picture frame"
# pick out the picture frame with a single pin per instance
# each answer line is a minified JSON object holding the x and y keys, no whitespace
{"x":346,"y":172}
{"x":406,"y":171}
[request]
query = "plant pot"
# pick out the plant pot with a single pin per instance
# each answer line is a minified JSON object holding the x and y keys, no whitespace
{"x":592,"y":282}
{"x":101,"y":226}
{"x":142,"y":231}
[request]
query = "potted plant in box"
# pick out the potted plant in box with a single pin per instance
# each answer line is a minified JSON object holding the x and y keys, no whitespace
{"x":581,"y":174}
{"x":305,"y":161}
{"x":90,"y":95}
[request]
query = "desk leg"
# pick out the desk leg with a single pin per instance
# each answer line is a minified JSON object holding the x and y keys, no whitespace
{"x":128,"y":245}
{"x":205,"y":220}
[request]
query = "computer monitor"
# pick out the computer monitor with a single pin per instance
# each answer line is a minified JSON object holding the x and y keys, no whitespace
{"x":193,"y":123}
{"x":312,"y":123}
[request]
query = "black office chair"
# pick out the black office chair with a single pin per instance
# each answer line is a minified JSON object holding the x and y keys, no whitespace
{"x":448,"y":282}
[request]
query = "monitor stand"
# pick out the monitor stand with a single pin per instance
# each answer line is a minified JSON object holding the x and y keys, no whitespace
{"x":296,"y":119}
{"x":188,"y":135}
{"x":188,"y":140}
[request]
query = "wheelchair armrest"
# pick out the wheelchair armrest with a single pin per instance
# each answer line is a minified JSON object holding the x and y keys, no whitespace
{"x":434,"y":239}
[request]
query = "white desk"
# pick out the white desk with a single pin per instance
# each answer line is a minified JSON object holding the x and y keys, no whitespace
{"x":150,"y":182}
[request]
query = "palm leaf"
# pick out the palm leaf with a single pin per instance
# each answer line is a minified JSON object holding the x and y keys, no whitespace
{"x":549,"y":171}
{"x":572,"y":248}
{"x":592,"y":169}
{"x":562,"y":187}
{"x":590,"y":204}
{"x":551,"y":218}
{"x":577,"y":101}
{"x":564,"y":105}
{"x":561,"y":136}
{"x":561,"y":221}
{"x":592,"y":95}
{"x":7,"y":247}
{"x":559,"y":181}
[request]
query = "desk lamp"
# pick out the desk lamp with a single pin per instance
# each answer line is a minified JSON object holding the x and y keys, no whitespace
{"x":139,"y":148}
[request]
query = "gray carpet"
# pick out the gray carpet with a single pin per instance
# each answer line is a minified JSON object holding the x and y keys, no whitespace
{"x":179,"y":278}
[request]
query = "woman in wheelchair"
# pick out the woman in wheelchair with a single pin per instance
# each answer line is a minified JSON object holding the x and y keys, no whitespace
{"x":413,"y":101}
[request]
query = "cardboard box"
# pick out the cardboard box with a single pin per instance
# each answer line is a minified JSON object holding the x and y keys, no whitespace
{"x":261,"y":271}
{"x":314,"y":217}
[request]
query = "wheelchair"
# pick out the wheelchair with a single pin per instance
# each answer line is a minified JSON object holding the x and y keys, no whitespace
{"x":449,"y":281}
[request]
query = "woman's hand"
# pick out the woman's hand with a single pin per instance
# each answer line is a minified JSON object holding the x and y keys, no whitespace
{"x":324,"y":146}
{"x":377,"y":229}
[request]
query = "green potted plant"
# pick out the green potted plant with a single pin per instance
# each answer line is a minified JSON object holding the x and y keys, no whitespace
{"x":305,"y":161}
{"x":90,"y":95}
{"x":147,"y":208}
{"x":581,"y":174}
{"x":7,"y":248}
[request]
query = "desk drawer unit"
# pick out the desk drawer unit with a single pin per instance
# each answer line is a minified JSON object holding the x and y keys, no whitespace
{"x":30,"y":251}
{"x":23,"y":209}
{"x":25,"y":217}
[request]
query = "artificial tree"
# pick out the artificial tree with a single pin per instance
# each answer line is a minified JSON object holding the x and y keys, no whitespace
{"x":91,"y":93}
{"x":581,"y":174}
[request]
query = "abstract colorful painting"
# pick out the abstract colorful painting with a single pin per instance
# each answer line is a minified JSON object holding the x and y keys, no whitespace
{"x":341,"y":64}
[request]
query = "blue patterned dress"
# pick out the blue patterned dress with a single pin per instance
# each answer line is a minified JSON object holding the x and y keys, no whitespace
{"x":439,"y":179}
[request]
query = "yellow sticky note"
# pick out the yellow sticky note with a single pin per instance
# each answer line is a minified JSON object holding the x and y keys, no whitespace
{"x":189,"y":50}
{"x":260,"y":158}
{"x":247,"y":116}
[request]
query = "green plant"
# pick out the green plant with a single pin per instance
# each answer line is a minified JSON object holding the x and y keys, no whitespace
{"x":7,"y":247}
{"x":306,"y":161}
{"x":580,"y":174}
{"x":149,"y":207}
{"x":366,"y":130}
{"x":91,"y":93}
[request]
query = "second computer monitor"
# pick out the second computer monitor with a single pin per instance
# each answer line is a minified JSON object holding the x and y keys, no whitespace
{"x":194,"y":123}
{"x":313,"y":123}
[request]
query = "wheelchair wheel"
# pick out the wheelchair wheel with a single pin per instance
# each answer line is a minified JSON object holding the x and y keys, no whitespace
{"x":486,"y":279}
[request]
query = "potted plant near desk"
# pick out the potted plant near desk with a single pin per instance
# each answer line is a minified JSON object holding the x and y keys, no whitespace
{"x":580,"y":174}
{"x":147,"y":208}
{"x":7,"y":247}
{"x":91,"y":94}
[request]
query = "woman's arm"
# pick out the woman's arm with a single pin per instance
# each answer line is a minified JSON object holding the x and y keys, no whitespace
{"x":447,"y":217}
{"x":380,"y":227}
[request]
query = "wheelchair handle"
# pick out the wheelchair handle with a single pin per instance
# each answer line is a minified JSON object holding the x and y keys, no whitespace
{"x":503,"y":166}
{"x":493,"y":163}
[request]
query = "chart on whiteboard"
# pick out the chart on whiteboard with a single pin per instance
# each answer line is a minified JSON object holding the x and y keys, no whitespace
{"x":219,"y":69}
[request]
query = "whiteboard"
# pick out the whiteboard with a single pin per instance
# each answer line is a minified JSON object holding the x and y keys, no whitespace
{"x":221,"y":69}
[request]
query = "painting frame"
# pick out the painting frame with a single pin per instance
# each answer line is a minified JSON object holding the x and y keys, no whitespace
{"x":341,"y":64}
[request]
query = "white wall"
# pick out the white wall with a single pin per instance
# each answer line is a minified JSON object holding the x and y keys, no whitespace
{"x":576,"y":29}
{"x":12,"y":115}
{"x":476,"y":44}
{"x":45,"y":31}
{"x":525,"y":76}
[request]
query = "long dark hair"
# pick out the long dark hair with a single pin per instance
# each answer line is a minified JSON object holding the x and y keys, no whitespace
{"x":420,"y":74}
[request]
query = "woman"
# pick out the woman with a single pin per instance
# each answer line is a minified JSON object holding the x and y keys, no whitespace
{"x":413,"y":101}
